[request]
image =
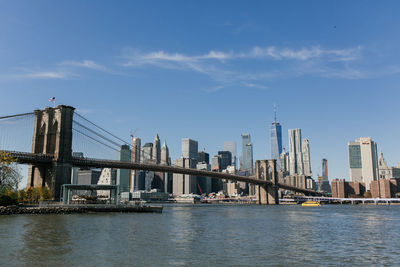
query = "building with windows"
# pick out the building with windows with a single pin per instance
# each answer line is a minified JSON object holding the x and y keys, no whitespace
{"x":386,"y":172}
{"x":124,"y":176}
{"x":190,"y":148}
{"x":295,"y":152}
{"x":363,"y":161}
{"x":156,"y":153}
{"x":284,"y":164}
{"x":147,"y":153}
{"x":204,"y":183}
{"x":226,"y":159}
{"x":183,"y":183}
{"x":107,"y":177}
{"x":324,"y":185}
{"x":135,"y":156}
{"x":306,"y":157}
{"x":74,"y":170}
{"x":276,"y":139}
{"x":231,"y":147}
{"x":247,"y":154}
{"x":203,"y":157}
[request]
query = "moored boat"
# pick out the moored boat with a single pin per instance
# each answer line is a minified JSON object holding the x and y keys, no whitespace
{"x":310,"y":203}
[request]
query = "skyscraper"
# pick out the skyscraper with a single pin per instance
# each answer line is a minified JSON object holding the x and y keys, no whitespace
{"x":203,"y":157}
{"x":284,"y":163}
{"x":123,"y":176}
{"x":183,"y":183}
{"x":231,"y":147}
{"x":324,"y":185}
{"x":276,"y":139}
{"x":165,"y":160}
{"x":325,"y":169}
{"x":226,"y":159}
{"x":156,"y":154}
{"x":189,"y":148}
{"x":247,"y":154}
{"x":147,"y":153}
{"x":363,"y":161}
{"x":295,"y":152}
{"x":135,"y":156}
{"x":306,"y":157}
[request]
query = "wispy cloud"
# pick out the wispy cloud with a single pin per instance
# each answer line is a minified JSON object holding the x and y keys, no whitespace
{"x":89,"y":64}
{"x":303,"y":54}
{"x":46,"y":75}
{"x":32,"y":74}
{"x":225,"y":67}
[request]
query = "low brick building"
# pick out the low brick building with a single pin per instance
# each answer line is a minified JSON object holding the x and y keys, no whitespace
{"x":342,"y":189}
{"x":385,"y":188}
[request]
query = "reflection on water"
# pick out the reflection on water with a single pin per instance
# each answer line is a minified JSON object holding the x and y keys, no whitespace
{"x":45,"y":235}
{"x":203,"y":235}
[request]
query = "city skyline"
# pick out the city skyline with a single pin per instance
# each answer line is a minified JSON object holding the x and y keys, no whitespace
{"x":320,"y":73}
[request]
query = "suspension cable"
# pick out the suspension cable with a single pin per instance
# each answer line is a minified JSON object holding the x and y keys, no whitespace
{"x":95,"y":139}
{"x":17,"y":115}
{"x":96,"y":133}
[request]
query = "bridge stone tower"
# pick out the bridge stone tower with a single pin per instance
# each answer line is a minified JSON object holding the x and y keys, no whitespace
{"x":52,"y":135}
{"x":267,"y":194}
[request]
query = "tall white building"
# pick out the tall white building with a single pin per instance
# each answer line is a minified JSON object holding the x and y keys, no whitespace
{"x":363,"y":161}
{"x":306,"y":157}
{"x":190,"y":148}
{"x":183,"y":183}
{"x":295,"y":152}
{"x":136,"y":148}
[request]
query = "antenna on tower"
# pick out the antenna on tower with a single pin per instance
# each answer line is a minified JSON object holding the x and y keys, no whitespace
{"x":274,"y":113}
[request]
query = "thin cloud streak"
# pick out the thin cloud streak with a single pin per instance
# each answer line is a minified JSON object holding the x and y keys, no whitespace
{"x":38,"y":75}
{"x":224,"y":69}
{"x":89,"y":64}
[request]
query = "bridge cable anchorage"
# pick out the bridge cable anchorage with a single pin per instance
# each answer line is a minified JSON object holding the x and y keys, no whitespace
{"x":95,"y":139}
{"x":16,"y":115}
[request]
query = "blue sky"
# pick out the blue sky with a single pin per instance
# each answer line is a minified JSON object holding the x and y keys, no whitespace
{"x":211,"y":70}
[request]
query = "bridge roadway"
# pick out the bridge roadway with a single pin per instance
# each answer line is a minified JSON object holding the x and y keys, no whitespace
{"x":31,"y":158}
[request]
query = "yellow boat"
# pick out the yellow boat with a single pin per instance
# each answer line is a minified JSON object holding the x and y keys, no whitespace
{"x":310,"y":203}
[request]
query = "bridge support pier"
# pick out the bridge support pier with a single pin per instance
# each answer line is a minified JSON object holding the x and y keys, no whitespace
{"x":267,"y":194}
{"x":52,"y":135}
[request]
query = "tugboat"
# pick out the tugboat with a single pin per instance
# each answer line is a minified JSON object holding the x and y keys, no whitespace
{"x":310,"y":203}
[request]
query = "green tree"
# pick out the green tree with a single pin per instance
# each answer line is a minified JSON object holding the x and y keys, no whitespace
{"x":10,"y":175}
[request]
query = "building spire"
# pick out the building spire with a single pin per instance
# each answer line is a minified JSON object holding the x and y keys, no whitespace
{"x":165,"y":144}
{"x":274,"y":113}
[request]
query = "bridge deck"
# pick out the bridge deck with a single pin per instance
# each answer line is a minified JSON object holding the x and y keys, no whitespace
{"x":31,"y":158}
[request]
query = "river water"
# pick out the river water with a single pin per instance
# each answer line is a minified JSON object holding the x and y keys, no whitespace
{"x":207,"y":235}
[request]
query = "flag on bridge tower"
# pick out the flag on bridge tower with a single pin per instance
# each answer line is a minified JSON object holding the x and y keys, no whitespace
{"x":53,"y":99}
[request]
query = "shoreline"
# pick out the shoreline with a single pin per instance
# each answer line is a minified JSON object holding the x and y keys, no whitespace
{"x":70,"y":209}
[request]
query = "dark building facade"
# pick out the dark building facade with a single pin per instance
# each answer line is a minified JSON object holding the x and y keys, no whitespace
{"x":204,"y":157}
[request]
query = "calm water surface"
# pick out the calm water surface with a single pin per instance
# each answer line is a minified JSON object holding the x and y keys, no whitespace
{"x":207,"y":235}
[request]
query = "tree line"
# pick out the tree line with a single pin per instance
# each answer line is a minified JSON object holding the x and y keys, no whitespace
{"x":10,"y":177}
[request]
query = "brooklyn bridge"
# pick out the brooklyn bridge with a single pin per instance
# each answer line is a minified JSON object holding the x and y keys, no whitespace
{"x":51,"y":159}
